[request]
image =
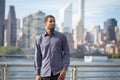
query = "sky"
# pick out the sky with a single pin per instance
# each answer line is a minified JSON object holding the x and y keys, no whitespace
{"x":96,"y":11}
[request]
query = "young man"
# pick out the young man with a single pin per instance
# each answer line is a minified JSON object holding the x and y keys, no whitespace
{"x":52,"y":56}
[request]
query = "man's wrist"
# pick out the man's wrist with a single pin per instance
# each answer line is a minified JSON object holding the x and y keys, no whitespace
{"x":37,"y":75}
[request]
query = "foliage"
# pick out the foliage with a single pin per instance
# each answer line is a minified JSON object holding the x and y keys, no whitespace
{"x":77,"y":55}
{"x":116,"y":56}
{"x":10,"y":50}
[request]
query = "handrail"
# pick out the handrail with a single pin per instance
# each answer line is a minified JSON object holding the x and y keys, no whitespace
{"x":25,"y":70}
{"x":71,"y":65}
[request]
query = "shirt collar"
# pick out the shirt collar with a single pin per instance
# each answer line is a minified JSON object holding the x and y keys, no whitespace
{"x":54,"y":32}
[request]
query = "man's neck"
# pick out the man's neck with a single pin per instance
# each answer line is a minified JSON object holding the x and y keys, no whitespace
{"x":49,"y":32}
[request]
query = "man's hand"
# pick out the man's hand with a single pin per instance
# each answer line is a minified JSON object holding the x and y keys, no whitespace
{"x":62,"y":75}
{"x":38,"y":77}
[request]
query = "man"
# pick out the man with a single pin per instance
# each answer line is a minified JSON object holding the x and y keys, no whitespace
{"x":52,"y":54}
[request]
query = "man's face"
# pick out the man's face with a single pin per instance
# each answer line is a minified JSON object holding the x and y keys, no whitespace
{"x":50,"y":24}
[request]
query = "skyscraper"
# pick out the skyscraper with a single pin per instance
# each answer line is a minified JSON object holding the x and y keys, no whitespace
{"x":66,"y":19}
{"x":94,"y":32}
{"x":79,"y":28}
{"x":77,"y":36}
{"x":117,"y":37}
{"x":11,"y":27}
{"x":32,"y":27}
{"x":2,"y":19}
{"x":86,"y":37}
{"x":82,"y":13}
{"x":110,"y":25}
{"x":81,"y":17}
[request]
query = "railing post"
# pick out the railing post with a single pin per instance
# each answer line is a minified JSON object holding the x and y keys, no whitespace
{"x":74,"y":73}
{"x":5,"y":73}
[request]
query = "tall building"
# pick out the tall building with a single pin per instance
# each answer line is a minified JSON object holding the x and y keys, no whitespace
{"x":19,"y":33}
{"x":11,"y":27}
{"x":100,"y":37}
{"x":110,"y":25}
{"x":117,"y":37}
{"x":18,"y":29}
{"x":105,"y":37}
{"x":66,"y":19}
{"x":94,"y":33}
{"x":27,"y":20}
{"x":79,"y":28}
{"x":77,"y":35}
{"x":5,"y":33}
{"x":86,"y":37}
{"x":82,"y":12}
{"x":18,"y":23}
{"x":2,"y":19}
{"x":33,"y":26}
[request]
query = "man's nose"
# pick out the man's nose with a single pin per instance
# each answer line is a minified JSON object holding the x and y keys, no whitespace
{"x":53,"y":22}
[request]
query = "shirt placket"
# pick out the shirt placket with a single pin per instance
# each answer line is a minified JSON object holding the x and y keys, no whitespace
{"x":50,"y":43}
{"x":49,"y":53}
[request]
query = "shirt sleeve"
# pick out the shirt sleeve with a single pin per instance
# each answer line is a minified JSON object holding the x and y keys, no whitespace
{"x":37,"y":58}
{"x":66,"y":53}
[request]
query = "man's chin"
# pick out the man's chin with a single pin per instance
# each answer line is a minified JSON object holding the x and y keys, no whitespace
{"x":52,"y":29}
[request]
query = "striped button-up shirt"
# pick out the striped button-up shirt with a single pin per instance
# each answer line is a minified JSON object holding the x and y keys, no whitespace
{"x":51,"y":54}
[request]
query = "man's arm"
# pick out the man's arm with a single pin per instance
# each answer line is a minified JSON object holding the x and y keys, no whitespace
{"x":66,"y":58}
{"x":37,"y":58}
{"x":66,"y":54}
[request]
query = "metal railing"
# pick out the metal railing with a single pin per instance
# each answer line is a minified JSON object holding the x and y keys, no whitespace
{"x":84,"y":71}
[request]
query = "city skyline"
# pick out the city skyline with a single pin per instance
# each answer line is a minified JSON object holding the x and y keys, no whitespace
{"x":96,"y":12}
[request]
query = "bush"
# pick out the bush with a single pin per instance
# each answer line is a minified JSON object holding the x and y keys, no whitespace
{"x":77,"y":55}
{"x":10,"y":50}
{"x":116,"y":56}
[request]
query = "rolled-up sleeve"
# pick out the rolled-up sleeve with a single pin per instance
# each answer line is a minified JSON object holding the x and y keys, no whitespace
{"x":37,"y":58}
{"x":66,"y":53}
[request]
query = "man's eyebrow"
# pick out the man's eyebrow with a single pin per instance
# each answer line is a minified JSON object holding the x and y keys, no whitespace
{"x":52,"y":20}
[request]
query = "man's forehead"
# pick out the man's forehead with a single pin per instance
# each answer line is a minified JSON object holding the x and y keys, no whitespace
{"x":51,"y":19}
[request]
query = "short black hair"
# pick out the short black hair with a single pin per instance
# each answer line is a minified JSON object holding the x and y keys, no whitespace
{"x":48,"y":16}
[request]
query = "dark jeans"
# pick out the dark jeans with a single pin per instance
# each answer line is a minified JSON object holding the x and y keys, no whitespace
{"x":52,"y":77}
